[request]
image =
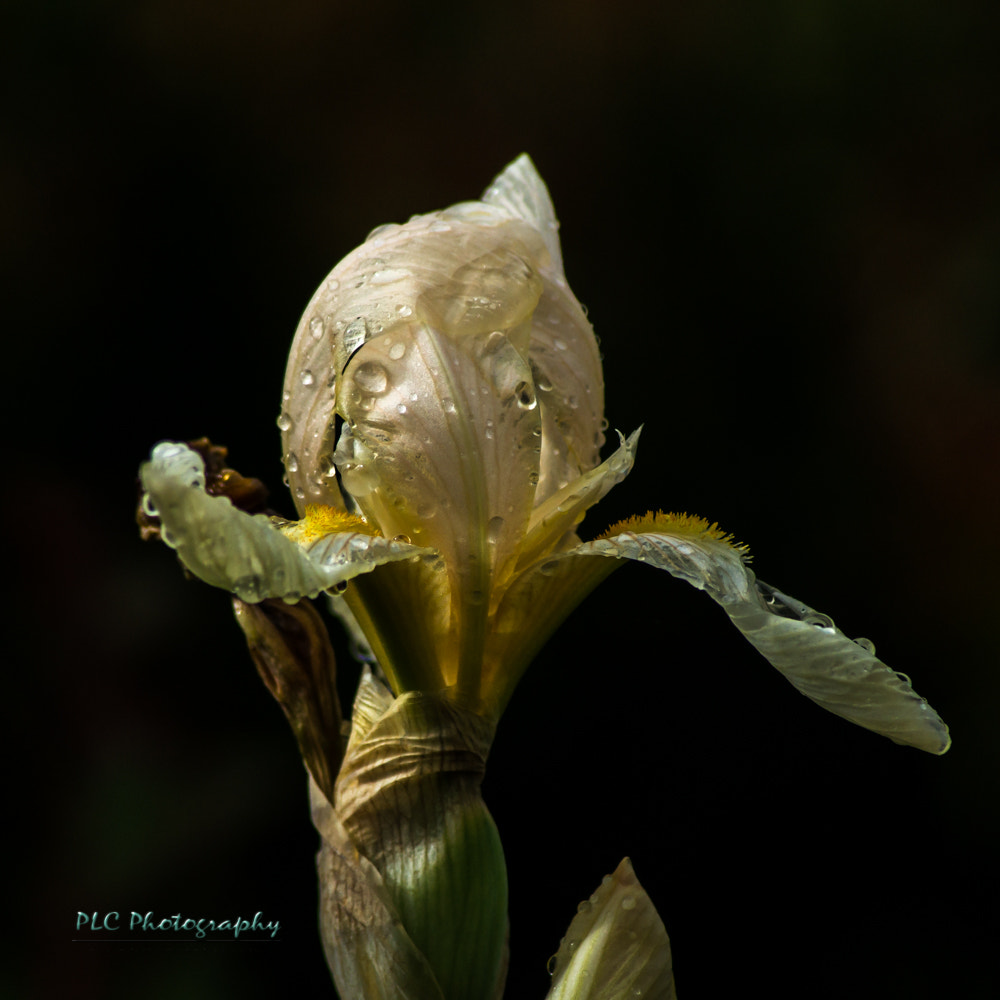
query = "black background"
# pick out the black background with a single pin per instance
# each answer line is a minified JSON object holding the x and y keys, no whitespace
{"x":784,"y":218}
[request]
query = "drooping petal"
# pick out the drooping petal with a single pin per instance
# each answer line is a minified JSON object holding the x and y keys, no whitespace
{"x":840,"y":675}
{"x":616,"y":947}
{"x":249,"y":555}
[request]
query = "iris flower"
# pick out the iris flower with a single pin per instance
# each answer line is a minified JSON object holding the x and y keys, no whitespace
{"x":442,"y":426}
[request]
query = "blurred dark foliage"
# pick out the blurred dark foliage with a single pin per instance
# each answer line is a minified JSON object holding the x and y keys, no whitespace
{"x":784,"y":218}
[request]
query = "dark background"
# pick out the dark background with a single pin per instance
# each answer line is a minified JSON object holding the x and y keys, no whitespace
{"x":784,"y":218}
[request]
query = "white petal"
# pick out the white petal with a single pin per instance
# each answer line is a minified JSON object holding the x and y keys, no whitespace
{"x":520,"y":190}
{"x":564,"y":355}
{"x":818,"y":659}
{"x":841,"y":675}
{"x":246,"y":554}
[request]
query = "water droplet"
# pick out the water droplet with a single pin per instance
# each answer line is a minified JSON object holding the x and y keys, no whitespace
{"x":584,"y":907}
{"x":548,"y":568}
{"x":488,"y":432}
{"x":533,"y":478}
{"x":284,"y":421}
{"x":628,"y":903}
{"x":332,"y":284}
{"x":389,"y":275}
{"x":292,"y":462}
{"x":372,"y":378}
{"x":550,"y":965}
{"x":316,"y":327}
{"x":404,"y":539}
{"x":401,"y":407}
{"x":148,"y":507}
{"x":819,"y":620}
{"x":249,"y":588}
{"x":306,"y":378}
{"x":493,"y":530}
{"x":448,"y":405}
{"x":397,"y":351}
{"x":493,"y":343}
{"x":559,"y":345}
{"x":404,"y":310}
{"x":339,"y":587}
{"x":525,"y":396}
{"x":866,"y":644}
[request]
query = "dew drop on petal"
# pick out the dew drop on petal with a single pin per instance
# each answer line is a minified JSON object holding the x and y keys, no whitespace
{"x":493,"y":530}
{"x":284,"y":421}
{"x":525,"y":396}
{"x":292,"y":462}
{"x":316,"y":327}
{"x":397,"y":351}
{"x":306,"y":378}
{"x":248,"y":588}
{"x":389,"y":275}
{"x":372,"y":378}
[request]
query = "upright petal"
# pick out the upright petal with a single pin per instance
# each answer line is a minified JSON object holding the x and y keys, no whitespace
{"x":564,"y":355}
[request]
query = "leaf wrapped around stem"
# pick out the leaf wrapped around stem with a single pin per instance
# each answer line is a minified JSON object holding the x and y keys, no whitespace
{"x":413,"y":880}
